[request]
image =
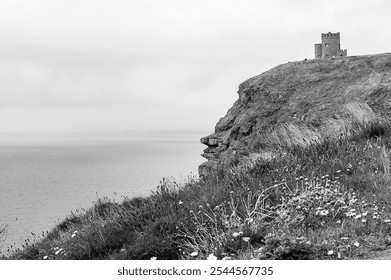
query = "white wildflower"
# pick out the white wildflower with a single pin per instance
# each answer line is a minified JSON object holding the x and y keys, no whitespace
{"x":356,"y":244}
{"x":246,"y":239}
{"x":58,"y":251}
{"x":324,"y":212}
{"x":330,"y":252}
{"x":211,"y":257}
{"x":194,"y":254}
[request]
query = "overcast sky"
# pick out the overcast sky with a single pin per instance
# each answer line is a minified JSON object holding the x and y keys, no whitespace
{"x":111,"y":65}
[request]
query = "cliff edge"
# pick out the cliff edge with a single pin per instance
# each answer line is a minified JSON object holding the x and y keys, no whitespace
{"x":299,"y":103}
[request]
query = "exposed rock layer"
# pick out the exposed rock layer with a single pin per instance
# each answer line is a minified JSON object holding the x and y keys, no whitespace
{"x":312,"y":98}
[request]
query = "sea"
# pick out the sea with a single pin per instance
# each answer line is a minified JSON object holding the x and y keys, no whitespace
{"x":42,"y":183}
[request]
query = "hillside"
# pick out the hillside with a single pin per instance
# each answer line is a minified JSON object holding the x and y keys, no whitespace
{"x":301,"y":103}
{"x":299,"y":168}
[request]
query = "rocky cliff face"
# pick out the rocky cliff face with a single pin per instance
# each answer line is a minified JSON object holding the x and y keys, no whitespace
{"x":300,"y":103}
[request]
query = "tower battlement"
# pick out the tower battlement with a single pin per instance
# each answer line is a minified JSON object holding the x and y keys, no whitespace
{"x":330,"y":46}
{"x":331,"y":35}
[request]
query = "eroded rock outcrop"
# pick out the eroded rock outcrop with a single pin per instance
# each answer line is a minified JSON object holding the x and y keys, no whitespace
{"x":299,"y":103}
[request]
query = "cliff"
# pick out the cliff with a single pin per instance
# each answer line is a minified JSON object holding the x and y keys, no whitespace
{"x":331,"y":200}
{"x":299,"y":103}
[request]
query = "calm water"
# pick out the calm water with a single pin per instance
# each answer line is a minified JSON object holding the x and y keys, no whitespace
{"x":40,"y":185}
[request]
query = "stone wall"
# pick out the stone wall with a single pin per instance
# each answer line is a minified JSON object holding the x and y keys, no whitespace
{"x":318,"y":51}
{"x":330,"y":44}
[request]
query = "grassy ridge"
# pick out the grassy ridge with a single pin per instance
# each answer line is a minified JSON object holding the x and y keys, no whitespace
{"x":325,"y":200}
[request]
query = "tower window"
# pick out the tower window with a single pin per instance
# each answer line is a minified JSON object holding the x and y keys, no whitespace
{"x":326,"y":45}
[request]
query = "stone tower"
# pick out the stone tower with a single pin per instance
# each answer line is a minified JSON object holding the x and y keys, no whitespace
{"x":330,"y":46}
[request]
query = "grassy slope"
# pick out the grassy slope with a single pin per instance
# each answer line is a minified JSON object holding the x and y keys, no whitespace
{"x":323,"y":201}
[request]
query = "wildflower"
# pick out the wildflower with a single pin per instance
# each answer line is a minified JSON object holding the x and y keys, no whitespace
{"x":211,"y":257}
{"x":235,"y":234}
{"x":324,"y":212}
{"x":330,"y":252}
{"x":246,"y":239}
{"x":387,"y":221}
{"x":363,"y":220}
{"x":153,"y":259}
{"x":74,"y":233}
{"x":45,"y":257}
{"x":194,"y":254}
{"x":58,"y":251}
{"x":180,"y":202}
{"x":338,"y":222}
{"x":356,"y":244}
{"x":344,"y":238}
{"x":358,"y":216}
{"x":364,"y":214}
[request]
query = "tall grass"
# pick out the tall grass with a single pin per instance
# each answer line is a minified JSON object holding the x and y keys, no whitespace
{"x":346,"y":121}
{"x":3,"y":233}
